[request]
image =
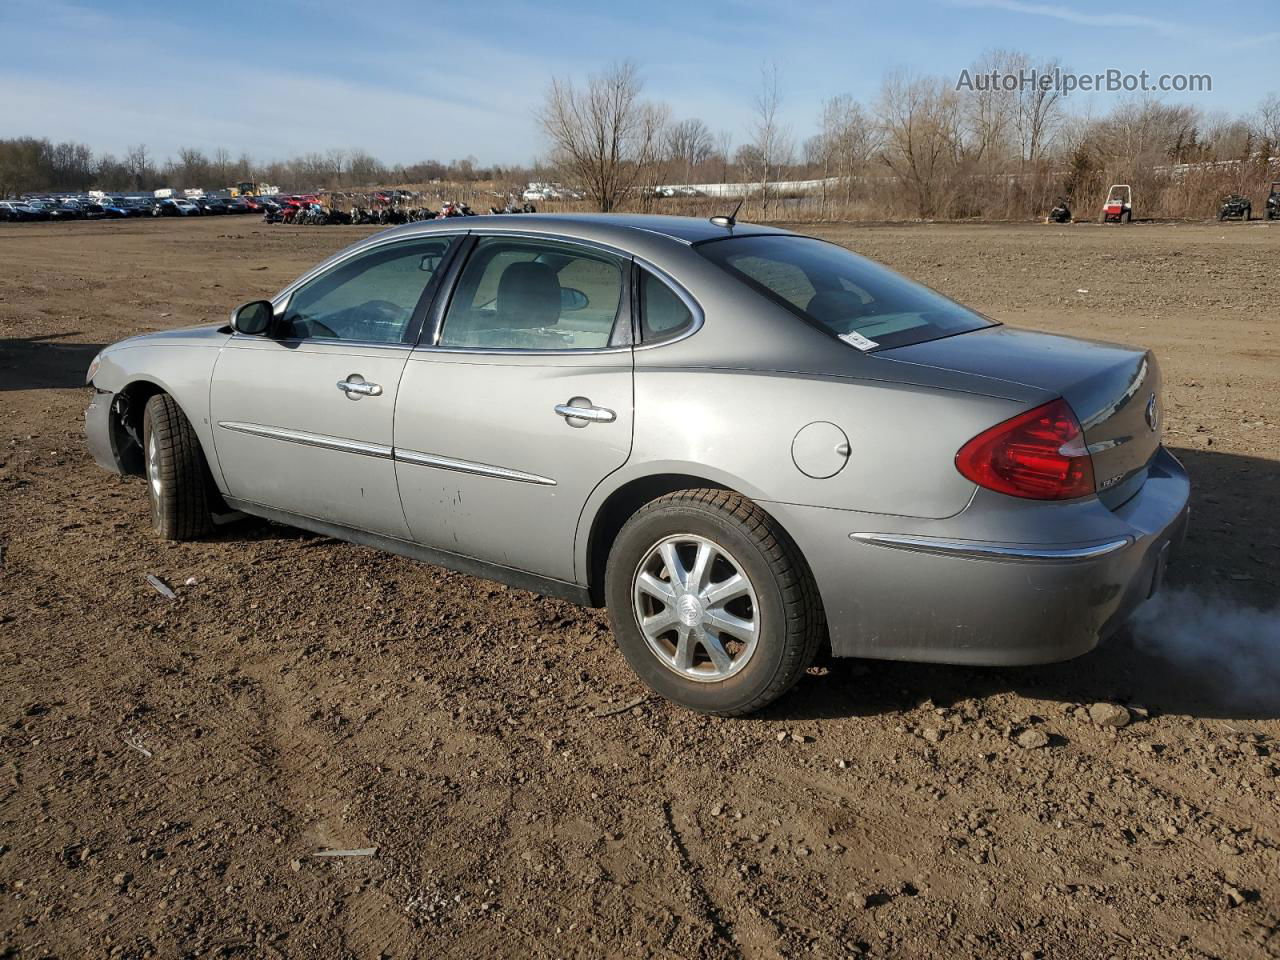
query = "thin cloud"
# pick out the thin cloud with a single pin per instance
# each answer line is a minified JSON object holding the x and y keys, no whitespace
{"x":1068,"y":15}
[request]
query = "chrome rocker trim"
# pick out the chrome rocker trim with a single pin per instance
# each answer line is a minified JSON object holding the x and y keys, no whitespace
{"x":977,"y":550}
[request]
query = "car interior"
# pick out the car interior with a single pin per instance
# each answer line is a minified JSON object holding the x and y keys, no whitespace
{"x":533,"y":297}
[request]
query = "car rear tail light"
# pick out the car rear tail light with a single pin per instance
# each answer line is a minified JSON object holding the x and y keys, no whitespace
{"x":1039,"y":455}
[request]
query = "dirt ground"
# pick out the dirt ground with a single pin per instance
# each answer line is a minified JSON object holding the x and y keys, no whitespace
{"x":171,"y":767}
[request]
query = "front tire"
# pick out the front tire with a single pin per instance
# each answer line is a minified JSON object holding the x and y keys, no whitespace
{"x":711,"y":602}
{"x":177,"y":475}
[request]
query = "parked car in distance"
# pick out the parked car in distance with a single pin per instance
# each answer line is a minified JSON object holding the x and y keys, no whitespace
{"x":113,"y":209}
{"x":175,"y":207}
{"x":81,"y":210}
{"x":237,"y":205}
{"x":138,"y":206}
{"x":15,"y":212}
{"x":55,"y":211}
{"x":748,"y":444}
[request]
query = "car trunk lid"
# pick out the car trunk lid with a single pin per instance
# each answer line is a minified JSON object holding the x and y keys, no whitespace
{"x":1114,"y":391}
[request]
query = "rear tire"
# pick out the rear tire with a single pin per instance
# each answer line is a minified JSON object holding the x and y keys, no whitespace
{"x":734,"y":627}
{"x":176,"y":471}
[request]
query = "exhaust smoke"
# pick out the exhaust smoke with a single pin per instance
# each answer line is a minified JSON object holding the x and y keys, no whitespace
{"x":1231,"y":652}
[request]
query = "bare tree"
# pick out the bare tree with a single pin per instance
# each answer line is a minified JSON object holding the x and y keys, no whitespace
{"x":1266,"y":121}
{"x":1039,"y":110}
{"x":191,"y":169}
{"x":688,"y":143}
{"x":221,"y":170}
{"x":724,"y":147}
{"x":605,"y":137}
{"x":770,"y":137}
{"x":1144,"y":131}
{"x":335,"y":166}
{"x":990,"y":113}
{"x":919,"y":119}
{"x":365,"y":168}
{"x":1223,"y":137}
{"x":138,"y":165}
{"x":849,"y":139}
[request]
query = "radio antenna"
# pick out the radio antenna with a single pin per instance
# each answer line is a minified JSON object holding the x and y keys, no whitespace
{"x":731,"y":219}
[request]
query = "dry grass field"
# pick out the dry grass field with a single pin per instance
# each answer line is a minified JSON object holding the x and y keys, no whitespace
{"x":171,"y":767}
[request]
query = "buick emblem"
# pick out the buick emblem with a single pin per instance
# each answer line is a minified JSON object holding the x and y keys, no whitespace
{"x":1153,"y":413}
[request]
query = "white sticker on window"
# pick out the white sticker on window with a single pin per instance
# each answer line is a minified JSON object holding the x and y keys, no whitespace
{"x":859,"y":341}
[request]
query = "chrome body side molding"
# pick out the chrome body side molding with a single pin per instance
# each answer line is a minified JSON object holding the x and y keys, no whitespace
{"x":469,"y":466}
{"x":385,"y":452}
{"x":309,"y":439}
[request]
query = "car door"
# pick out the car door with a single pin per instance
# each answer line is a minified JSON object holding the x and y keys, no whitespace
{"x":518,"y":404}
{"x":304,"y":415}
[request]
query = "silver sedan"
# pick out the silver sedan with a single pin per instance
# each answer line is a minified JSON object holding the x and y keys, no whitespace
{"x":746,"y":443}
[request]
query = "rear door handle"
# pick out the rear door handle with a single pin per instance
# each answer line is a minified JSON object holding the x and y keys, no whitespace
{"x":357,"y":388}
{"x":582,"y":410}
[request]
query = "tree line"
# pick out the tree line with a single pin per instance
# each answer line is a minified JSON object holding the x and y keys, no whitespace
{"x":32,"y":164}
{"x":925,"y":146}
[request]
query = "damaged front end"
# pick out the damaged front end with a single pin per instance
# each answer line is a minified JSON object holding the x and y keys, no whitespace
{"x":113,"y":434}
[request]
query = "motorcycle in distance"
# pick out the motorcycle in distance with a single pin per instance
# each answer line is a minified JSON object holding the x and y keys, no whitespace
{"x":513,"y":207}
{"x":451,"y":209}
{"x":1061,"y":213}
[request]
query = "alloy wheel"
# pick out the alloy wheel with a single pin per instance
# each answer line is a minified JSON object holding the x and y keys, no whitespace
{"x":696,"y":608}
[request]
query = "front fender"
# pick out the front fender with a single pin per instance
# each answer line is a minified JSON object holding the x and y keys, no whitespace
{"x":182,"y":370}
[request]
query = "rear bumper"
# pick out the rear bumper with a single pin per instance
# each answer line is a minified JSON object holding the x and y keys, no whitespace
{"x":940,"y":591}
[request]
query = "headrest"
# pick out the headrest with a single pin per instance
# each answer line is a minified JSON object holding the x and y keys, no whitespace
{"x":832,"y":306}
{"x":528,"y":296}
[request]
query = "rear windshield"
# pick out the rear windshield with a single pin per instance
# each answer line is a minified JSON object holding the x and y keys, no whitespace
{"x":867,"y":304}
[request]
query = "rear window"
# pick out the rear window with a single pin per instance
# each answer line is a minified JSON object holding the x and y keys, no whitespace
{"x":868,"y":305}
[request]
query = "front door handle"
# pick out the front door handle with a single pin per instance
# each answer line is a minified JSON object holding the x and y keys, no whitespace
{"x":579,"y":411}
{"x":355,"y":387}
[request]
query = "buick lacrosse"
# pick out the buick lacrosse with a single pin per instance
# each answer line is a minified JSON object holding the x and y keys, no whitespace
{"x":745,"y":443}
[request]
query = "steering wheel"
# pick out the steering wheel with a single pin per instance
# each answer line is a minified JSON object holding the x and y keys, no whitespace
{"x":384,"y":311}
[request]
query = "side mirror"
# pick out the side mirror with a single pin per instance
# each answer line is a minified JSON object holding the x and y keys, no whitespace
{"x":572,"y":299}
{"x":253,"y":318}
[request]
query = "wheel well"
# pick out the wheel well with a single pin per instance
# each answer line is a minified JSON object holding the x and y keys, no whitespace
{"x":126,"y":423}
{"x":617,"y":510}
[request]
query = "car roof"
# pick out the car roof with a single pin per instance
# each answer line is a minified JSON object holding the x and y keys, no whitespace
{"x":607,"y":227}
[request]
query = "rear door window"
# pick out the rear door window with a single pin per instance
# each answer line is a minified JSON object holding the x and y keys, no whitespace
{"x":517,"y":294}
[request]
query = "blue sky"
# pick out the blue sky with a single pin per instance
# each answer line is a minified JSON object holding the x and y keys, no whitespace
{"x":414,"y":80}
